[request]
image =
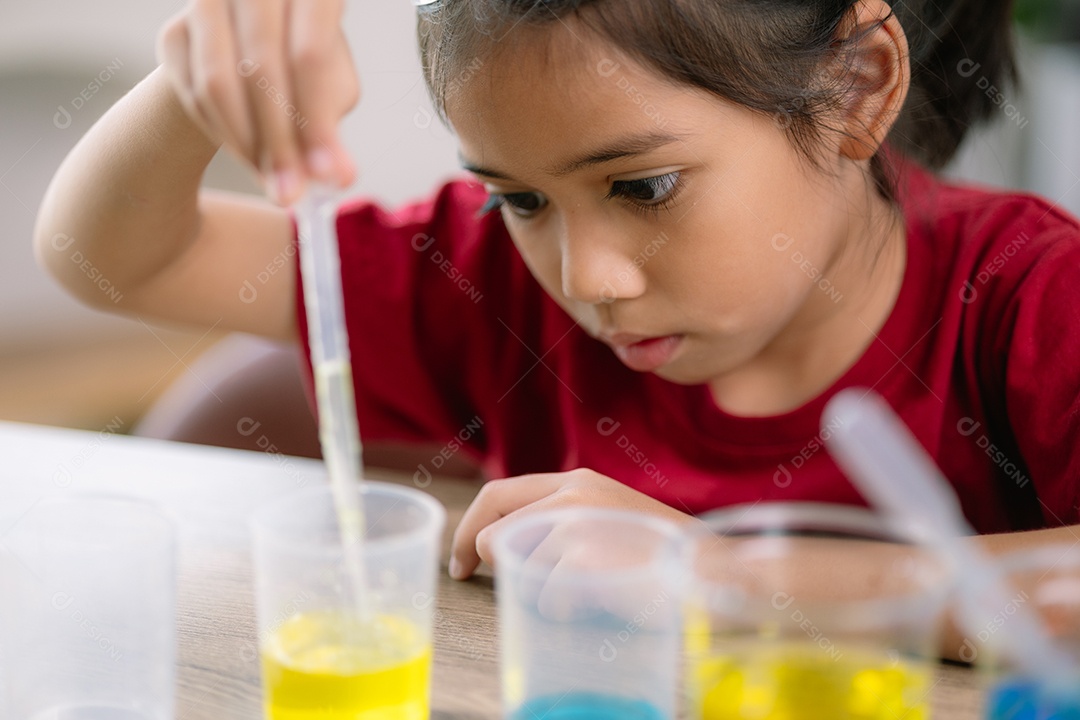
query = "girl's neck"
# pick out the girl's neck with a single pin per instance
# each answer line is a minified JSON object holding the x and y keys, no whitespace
{"x":827,"y":336}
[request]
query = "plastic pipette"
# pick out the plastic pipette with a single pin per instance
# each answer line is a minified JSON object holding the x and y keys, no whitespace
{"x":892,"y":470}
{"x":339,"y":433}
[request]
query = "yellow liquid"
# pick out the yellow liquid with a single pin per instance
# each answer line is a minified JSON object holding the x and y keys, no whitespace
{"x":330,"y":666}
{"x":791,"y":682}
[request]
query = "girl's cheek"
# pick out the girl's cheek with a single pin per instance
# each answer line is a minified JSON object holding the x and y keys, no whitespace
{"x":543,"y":259}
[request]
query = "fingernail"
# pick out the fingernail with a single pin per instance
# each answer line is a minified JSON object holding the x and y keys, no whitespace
{"x":286,"y":186}
{"x":456,"y":571}
{"x":321,"y":163}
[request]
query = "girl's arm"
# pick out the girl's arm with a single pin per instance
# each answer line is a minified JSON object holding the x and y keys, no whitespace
{"x":956,"y":645}
{"x":502,"y":500}
{"x":124,"y":226}
{"x":1011,"y":542}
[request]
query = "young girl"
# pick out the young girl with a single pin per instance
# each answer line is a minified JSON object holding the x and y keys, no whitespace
{"x":694,"y":222}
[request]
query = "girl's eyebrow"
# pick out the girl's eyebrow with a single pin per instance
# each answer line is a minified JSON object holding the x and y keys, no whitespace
{"x":486,"y":172}
{"x":617,"y":150}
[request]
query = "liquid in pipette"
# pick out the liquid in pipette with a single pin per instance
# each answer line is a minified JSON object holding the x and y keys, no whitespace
{"x":339,"y":434}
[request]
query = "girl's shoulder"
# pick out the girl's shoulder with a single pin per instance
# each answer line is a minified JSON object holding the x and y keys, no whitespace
{"x":990,"y":239}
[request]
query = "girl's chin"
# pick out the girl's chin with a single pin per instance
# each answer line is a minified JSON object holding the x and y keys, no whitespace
{"x":683,"y":370}
{"x":682,"y":373}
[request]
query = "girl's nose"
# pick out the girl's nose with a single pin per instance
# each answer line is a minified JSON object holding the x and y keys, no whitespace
{"x":598,"y":270}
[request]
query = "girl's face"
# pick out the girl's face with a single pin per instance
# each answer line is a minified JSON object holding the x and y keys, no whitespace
{"x":683,"y":231}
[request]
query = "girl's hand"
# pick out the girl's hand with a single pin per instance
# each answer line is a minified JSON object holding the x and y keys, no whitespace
{"x":271,"y":79}
{"x":501,"y":500}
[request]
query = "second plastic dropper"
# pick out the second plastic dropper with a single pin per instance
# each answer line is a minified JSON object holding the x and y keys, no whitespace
{"x":887,"y":464}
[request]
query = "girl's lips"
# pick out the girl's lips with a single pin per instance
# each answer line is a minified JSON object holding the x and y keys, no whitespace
{"x":649,"y":354}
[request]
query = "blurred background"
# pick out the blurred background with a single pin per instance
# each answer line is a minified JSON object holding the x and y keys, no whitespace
{"x":64,"y":62}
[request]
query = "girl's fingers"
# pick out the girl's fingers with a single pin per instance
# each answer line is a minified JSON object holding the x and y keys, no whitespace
{"x":173,"y":51}
{"x":260,"y":28}
{"x":538,"y":566}
{"x":325,"y":86}
{"x":272,"y":80}
{"x":580,"y":571}
{"x":541,"y":546}
{"x":216,"y":78}
{"x":496,"y":500}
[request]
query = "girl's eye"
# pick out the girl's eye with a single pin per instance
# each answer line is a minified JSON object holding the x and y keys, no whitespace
{"x":650,"y":191}
{"x":524,"y":204}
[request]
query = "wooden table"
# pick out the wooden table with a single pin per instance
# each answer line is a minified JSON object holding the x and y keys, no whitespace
{"x":210,"y":492}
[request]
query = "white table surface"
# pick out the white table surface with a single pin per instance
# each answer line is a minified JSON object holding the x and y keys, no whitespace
{"x":210,"y":492}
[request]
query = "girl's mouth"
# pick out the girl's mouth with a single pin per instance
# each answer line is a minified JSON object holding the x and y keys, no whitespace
{"x":648,"y":354}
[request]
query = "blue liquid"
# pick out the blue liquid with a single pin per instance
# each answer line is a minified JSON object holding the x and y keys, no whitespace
{"x":1019,"y":699}
{"x":586,"y":706}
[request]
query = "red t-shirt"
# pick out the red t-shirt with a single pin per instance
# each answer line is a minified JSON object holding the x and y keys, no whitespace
{"x":453,"y":342}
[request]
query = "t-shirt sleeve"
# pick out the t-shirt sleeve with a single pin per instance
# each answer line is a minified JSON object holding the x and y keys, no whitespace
{"x":413,"y":280}
{"x":1037,"y":354}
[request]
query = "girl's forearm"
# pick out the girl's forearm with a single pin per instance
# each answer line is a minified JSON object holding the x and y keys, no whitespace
{"x":958,"y":645}
{"x":124,"y":203}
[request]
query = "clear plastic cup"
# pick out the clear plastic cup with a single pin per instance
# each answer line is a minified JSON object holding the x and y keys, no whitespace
{"x":87,"y":612}
{"x":1046,"y":580}
{"x":811,"y":612}
{"x":326,"y":654}
{"x":589,"y":613}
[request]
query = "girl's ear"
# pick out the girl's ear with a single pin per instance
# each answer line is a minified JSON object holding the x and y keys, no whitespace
{"x":877,"y":76}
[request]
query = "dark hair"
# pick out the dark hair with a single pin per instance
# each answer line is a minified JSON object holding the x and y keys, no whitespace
{"x":767,"y":55}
